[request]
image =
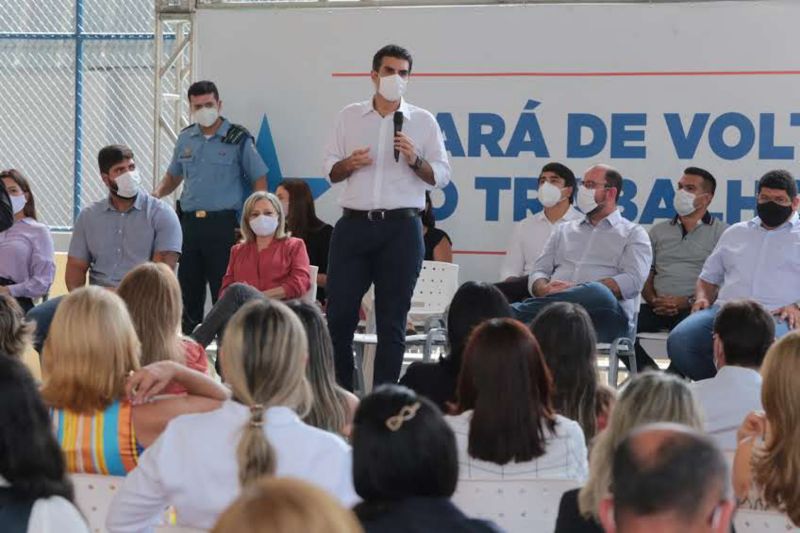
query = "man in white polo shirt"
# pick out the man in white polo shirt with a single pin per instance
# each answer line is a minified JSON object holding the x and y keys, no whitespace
{"x":382,"y":175}
{"x":556,"y":191}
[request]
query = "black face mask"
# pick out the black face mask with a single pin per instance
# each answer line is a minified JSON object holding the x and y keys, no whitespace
{"x":772,"y":214}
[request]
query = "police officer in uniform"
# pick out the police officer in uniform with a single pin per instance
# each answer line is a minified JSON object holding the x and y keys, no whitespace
{"x":219,"y":165}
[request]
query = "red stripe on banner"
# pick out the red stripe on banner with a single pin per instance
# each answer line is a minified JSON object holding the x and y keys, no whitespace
{"x":477,"y":252}
{"x":584,"y":74}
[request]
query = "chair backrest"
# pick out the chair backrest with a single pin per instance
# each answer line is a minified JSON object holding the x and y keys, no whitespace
{"x":436,"y":285}
{"x":748,"y":521}
{"x":311,"y":295}
{"x":529,"y":505}
{"x":93,"y":495}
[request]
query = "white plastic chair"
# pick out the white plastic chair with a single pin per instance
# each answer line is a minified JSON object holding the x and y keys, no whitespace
{"x":311,"y":295}
{"x":93,"y":495}
{"x":515,"y":506}
{"x":749,"y":521}
{"x":622,"y":347}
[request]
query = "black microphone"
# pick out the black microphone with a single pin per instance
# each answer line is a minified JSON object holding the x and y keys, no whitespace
{"x":398,"y":127}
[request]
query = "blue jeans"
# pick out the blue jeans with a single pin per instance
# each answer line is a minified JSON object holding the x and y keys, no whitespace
{"x":690,"y":345}
{"x":609,"y":319}
{"x":43,"y":314}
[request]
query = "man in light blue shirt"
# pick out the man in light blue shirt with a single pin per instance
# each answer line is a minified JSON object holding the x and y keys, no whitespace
{"x":758,"y":259}
{"x":600,"y":261}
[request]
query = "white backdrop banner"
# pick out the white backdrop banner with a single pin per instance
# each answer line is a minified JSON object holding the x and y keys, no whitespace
{"x":650,"y":89}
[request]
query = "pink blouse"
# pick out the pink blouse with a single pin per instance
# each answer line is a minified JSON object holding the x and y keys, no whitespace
{"x":284,"y":263}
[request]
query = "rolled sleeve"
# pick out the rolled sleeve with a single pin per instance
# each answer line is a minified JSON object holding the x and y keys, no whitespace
{"x":175,"y":168}
{"x":635,"y":263}
{"x":714,"y":267}
{"x":334,"y":148}
{"x":436,"y":155}
{"x":79,"y":244}
{"x":169,"y":237}
{"x":42,"y":269}
{"x":298,"y":281}
{"x":254,"y":167}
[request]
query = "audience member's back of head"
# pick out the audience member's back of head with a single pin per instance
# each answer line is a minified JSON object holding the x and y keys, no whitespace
{"x":668,"y":476}
{"x":505,"y":382}
{"x":472,"y":303}
{"x":16,"y":333}
{"x":745,"y":330}
{"x":286,"y":505}
{"x":650,"y":397}
{"x":153,"y":296}
{"x":328,"y":410}
{"x":567,"y":339}
{"x":30,"y":457}
{"x":776,"y":468}
{"x":89,"y":352}
{"x":263,"y":360}
{"x":402,"y":448}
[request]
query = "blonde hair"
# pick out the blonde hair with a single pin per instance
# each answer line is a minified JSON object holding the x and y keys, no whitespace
{"x":285,"y":505}
{"x":264,"y":355}
{"x":776,"y":467}
{"x":89,"y":351}
{"x":16,"y":333}
{"x":649,"y":397}
{"x":153,"y":296}
{"x":249,"y":205}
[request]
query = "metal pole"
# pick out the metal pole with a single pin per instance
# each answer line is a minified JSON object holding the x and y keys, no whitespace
{"x":159,"y":43}
{"x":78,"y":143}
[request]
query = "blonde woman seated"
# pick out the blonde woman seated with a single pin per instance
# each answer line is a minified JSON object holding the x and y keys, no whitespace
{"x":153,"y":296}
{"x":88,"y":356}
{"x":649,"y":398}
{"x":201,"y":462}
{"x":507,"y":428}
{"x":268,"y":263}
{"x":766,"y":471}
{"x":286,"y":506}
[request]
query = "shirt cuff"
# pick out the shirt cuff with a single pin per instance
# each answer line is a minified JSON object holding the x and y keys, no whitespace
{"x":533,"y":278}
{"x":627,"y":285}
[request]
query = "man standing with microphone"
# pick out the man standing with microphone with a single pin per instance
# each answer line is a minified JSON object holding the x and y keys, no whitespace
{"x":384,"y":153}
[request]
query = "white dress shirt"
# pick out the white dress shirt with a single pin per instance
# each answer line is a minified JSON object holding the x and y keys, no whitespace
{"x":615,"y":248}
{"x":565,"y":455}
{"x":193,"y":467}
{"x":752,"y":262}
{"x":386,"y":183}
{"x":725,"y":401}
{"x":53,"y":515}
{"x":528,"y":240}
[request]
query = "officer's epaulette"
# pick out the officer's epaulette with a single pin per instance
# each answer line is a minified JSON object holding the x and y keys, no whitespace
{"x":236,"y":134}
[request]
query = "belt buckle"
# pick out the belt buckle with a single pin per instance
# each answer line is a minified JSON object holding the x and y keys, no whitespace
{"x":200,"y":214}
{"x":372,"y":212}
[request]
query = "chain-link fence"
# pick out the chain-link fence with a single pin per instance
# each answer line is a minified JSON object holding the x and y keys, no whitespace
{"x":75,"y":75}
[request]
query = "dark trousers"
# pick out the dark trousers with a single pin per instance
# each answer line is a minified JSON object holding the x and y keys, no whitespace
{"x":650,"y":322}
{"x":25,"y":303}
{"x":207,"y":245}
{"x":42,"y":315}
{"x":389,"y":254}
{"x":515,"y":289}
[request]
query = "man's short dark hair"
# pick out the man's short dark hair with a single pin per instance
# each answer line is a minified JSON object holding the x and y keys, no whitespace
{"x":563,"y":172}
{"x":111,"y":155}
{"x":391,"y":50}
{"x":614,"y":179}
{"x":709,"y":182}
{"x":200,"y":88}
{"x":675,"y":477}
{"x":781,"y":180}
{"x":746,"y":331}
{"x":418,"y":458}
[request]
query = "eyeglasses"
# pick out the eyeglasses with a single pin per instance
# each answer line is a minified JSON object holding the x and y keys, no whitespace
{"x":591,"y":185}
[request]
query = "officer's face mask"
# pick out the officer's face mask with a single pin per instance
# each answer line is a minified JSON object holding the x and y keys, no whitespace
{"x":206,"y":116}
{"x":127,"y":184}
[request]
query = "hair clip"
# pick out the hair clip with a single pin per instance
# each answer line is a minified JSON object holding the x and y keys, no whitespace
{"x":406,"y":413}
{"x":256,"y":415}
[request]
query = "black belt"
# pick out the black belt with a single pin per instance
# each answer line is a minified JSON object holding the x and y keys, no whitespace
{"x":381,"y":214}
{"x":226,"y":213}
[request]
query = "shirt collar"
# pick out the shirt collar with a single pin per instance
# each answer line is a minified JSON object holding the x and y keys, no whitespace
{"x":138,"y":203}
{"x":732,"y":371}
{"x":367,"y":107}
{"x":793,"y":222}
{"x":221,"y":131}
{"x":707,"y":219}
{"x":613,"y":218}
{"x":570,"y":214}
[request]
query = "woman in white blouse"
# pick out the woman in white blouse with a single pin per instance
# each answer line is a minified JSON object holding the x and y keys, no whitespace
{"x":201,"y":462}
{"x":506,"y":427}
{"x":35,"y":493}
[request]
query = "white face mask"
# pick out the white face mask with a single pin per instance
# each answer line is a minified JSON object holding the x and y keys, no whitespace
{"x":586,"y":201}
{"x":684,"y":202}
{"x":128,"y":184}
{"x":392,"y":87}
{"x":206,"y":116}
{"x":18,"y":203}
{"x":549,"y":194}
{"x":264,"y":225}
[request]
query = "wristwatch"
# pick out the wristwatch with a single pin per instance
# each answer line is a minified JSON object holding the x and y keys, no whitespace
{"x":417,"y":164}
